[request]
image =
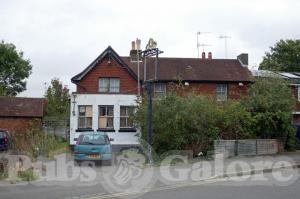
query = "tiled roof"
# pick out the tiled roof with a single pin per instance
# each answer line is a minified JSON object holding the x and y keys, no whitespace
{"x":172,"y":69}
{"x":192,"y":69}
{"x":21,"y":107}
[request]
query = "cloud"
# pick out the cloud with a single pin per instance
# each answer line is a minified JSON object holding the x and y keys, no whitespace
{"x":61,"y":37}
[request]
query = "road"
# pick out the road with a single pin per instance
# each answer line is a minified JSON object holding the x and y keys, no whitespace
{"x":229,"y":188}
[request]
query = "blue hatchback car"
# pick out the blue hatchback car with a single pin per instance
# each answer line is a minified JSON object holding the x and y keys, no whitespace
{"x":92,"y":146}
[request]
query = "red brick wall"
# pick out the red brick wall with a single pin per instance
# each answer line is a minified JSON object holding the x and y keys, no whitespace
{"x":18,"y":125}
{"x":128,"y":85}
{"x":234,"y":90}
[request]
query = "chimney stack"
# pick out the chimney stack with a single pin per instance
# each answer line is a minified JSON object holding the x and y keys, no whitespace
{"x":203,"y":55}
{"x":135,"y":49}
{"x":243,"y":59}
{"x":209,"y":55}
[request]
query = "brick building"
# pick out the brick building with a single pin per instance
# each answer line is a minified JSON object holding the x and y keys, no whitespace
{"x":18,"y":113}
{"x":106,"y":90}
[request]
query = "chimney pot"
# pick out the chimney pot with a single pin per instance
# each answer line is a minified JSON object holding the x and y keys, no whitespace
{"x":138,"y":44}
{"x":133,"y":45}
{"x":209,"y":55}
{"x":203,"y":55}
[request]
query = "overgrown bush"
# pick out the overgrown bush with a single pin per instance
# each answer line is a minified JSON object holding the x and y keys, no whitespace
{"x":193,"y":122}
{"x":35,"y":142}
{"x":181,"y":123}
{"x":271,"y":102}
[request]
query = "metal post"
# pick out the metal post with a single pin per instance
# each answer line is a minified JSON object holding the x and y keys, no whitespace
{"x":156,"y":60}
{"x":145,"y":68}
{"x":149,"y":112}
{"x":138,"y":67}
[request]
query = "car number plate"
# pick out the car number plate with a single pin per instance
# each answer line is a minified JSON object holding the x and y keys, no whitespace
{"x":94,"y":156}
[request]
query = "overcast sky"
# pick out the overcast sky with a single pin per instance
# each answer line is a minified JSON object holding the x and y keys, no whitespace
{"x":61,"y":37}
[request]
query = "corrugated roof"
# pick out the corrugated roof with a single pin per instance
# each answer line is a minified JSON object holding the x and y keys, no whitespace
{"x":21,"y":107}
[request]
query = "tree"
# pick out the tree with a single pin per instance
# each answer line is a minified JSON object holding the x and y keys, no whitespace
{"x":14,"y":70}
{"x":271,"y":103}
{"x":284,"y":56}
{"x":58,"y":104}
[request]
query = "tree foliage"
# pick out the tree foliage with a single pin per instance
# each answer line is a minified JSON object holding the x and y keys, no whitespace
{"x":271,"y":103}
{"x":58,"y":104}
{"x":193,"y":122}
{"x":14,"y":70}
{"x":284,"y":56}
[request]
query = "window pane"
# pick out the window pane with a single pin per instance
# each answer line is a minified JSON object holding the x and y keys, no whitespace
{"x":103,"y":84}
{"x":110,"y":122}
{"x":122,"y":122}
{"x":110,"y":111}
{"x":102,"y":122}
{"x":88,"y":122}
{"x":130,"y":111}
{"x":221,"y":92}
{"x":81,"y":122}
{"x":81,"y":110}
{"x":123,"y":111}
{"x":102,"y":111}
{"x":88,"y":111}
{"x":130,"y":122}
{"x":114,"y":85}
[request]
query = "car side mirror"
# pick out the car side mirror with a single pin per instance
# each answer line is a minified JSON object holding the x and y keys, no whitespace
{"x":111,"y":139}
{"x":75,"y":139}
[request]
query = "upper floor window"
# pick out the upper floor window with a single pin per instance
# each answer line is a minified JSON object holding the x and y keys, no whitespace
{"x":109,"y":84}
{"x":160,"y":89}
{"x":221,"y":92}
{"x":106,"y":117}
{"x":126,"y":113}
{"x":85,"y":117}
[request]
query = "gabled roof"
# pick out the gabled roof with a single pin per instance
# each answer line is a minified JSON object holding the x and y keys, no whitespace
{"x":173,"y":69}
{"x":109,"y":51}
{"x":21,"y":107}
{"x":193,"y":69}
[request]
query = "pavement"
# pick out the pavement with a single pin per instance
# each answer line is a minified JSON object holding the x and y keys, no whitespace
{"x":130,"y":180}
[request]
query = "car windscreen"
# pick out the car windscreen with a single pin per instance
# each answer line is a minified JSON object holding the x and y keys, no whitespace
{"x":2,"y":134}
{"x":94,"y":139}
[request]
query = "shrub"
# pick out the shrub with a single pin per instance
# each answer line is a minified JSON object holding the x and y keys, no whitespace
{"x":271,"y":103}
{"x":35,"y":142}
{"x":180,"y":123}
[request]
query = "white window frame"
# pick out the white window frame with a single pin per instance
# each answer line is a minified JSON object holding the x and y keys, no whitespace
{"x":222,"y":92}
{"x":85,"y":117}
{"x":111,"y":85}
{"x":126,"y":116}
{"x":106,"y":116}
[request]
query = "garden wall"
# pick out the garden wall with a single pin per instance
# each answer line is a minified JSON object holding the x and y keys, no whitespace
{"x":247,"y":147}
